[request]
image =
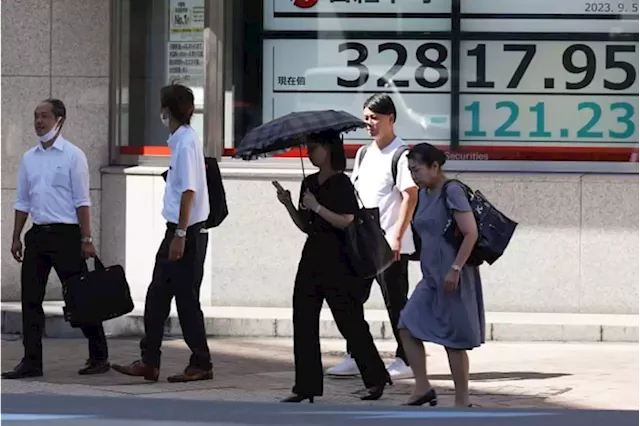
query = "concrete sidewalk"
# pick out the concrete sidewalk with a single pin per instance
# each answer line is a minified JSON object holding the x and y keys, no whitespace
{"x":244,"y":321}
{"x":503,"y":375}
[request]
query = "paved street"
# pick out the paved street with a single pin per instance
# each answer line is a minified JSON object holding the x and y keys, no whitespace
{"x":58,"y":410}
{"x":503,"y":375}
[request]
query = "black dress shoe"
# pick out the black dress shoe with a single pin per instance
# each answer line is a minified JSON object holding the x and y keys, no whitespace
{"x":23,"y":370}
{"x":94,"y":367}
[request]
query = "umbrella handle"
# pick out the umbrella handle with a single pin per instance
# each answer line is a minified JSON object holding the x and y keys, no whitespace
{"x":304,"y":176}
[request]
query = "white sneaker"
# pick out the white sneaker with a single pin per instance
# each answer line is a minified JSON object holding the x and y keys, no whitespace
{"x":346,"y":368}
{"x":399,"y":370}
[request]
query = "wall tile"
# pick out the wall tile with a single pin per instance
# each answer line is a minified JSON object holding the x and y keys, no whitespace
{"x":539,"y":270}
{"x":87,"y":126}
{"x":113,"y":219}
{"x":26,"y":47}
{"x":80,"y":38}
{"x":20,"y":97}
{"x":609,"y":246}
{"x":10,"y":279}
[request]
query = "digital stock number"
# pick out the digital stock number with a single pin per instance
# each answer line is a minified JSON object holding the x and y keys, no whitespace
{"x":440,"y":54}
{"x":578,"y":59}
{"x":624,"y":113}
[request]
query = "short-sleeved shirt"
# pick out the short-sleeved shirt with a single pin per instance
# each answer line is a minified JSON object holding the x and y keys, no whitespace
{"x":186,"y":173}
{"x":432,"y":214}
{"x":335,"y":194}
{"x":374,"y":181}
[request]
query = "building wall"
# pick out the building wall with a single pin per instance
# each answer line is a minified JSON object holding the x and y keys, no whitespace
{"x":575,"y":250}
{"x":54,"y":48}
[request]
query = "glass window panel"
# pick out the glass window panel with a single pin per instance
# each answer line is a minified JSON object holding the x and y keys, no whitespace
{"x":161,"y":42}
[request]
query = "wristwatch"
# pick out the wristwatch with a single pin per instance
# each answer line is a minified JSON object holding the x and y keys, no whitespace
{"x":86,"y":240}
{"x":180,"y":233}
{"x":456,"y":268}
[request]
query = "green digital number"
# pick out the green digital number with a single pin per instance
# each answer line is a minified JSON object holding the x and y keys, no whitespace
{"x":474,"y":109}
{"x":625,"y":117}
{"x":503,"y":131}
{"x":630,"y":126}
{"x":540,"y":132}
{"x":585,"y":131}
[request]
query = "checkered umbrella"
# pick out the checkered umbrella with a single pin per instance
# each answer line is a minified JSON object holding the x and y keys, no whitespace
{"x":288,"y":131}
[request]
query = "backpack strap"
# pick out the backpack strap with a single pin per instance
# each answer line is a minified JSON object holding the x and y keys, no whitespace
{"x":363,"y":151}
{"x":395,"y":159}
{"x":360,"y":157}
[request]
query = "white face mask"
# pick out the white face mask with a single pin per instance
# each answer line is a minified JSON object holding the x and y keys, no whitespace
{"x":51,"y":133}
{"x":164,"y":119}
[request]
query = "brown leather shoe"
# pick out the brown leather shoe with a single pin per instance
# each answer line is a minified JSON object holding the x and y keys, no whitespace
{"x":191,"y":374}
{"x":138,"y":369}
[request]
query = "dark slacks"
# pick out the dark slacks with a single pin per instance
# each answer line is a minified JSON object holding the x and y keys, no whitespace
{"x":394,"y":285}
{"x":180,"y":279}
{"x":322,"y":275}
{"x":56,"y":246}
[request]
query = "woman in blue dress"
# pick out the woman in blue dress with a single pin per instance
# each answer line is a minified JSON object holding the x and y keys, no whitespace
{"x":447,"y":306}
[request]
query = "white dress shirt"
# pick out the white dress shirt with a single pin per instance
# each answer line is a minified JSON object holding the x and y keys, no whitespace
{"x":186,"y":173}
{"x":53,"y":183}
{"x":376,"y":188}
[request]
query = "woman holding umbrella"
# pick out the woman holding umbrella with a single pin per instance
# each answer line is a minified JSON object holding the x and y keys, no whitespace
{"x":327,"y":206}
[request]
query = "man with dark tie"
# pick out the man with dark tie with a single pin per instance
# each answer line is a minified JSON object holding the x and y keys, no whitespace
{"x":52,"y":188}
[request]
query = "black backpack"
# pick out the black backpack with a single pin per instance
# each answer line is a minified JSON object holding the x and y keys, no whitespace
{"x":218,"y":210}
{"x":394,"y":172}
{"x":494,"y":228}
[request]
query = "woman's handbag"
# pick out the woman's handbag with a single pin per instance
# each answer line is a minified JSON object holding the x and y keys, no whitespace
{"x":368,"y":249}
{"x":495,"y":229}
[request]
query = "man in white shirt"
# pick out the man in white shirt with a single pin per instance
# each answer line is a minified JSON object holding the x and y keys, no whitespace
{"x":53,"y":188}
{"x":180,"y":259}
{"x":373,"y":177}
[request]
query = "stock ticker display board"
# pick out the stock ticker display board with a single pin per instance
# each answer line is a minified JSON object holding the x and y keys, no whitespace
{"x":499,"y":79}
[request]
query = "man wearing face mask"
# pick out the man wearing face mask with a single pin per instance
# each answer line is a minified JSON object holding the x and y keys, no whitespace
{"x":52,"y":187}
{"x":180,"y":259}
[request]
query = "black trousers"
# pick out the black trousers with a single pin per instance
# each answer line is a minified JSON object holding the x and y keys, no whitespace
{"x":394,"y":285}
{"x":56,"y":246}
{"x":180,"y":279}
{"x":322,"y":275}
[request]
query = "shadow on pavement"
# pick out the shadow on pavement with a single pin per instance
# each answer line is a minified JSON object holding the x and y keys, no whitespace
{"x":490,"y":376}
{"x":247,"y":371}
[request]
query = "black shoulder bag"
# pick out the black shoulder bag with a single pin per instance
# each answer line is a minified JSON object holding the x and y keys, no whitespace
{"x":368,"y":249}
{"x":494,"y":228}
{"x":394,"y":173}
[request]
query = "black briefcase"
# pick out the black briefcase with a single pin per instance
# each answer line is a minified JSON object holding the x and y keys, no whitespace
{"x":96,"y":296}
